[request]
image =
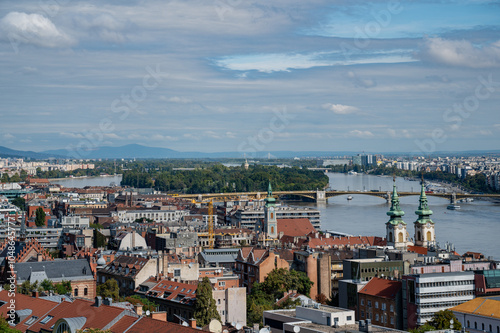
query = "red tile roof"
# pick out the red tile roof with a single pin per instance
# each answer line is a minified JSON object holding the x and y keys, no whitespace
{"x":295,"y":227}
{"x":39,"y":307}
{"x":122,"y":324}
{"x":381,"y":288}
{"x":417,"y":249}
{"x":97,"y":317}
{"x":176,"y":291}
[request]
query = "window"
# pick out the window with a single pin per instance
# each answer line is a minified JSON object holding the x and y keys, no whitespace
{"x":376,"y":317}
{"x":468,"y":323}
{"x":62,"y":328}
{"x":31,"y":320}
{"x":362,"y":301}
{"x":392,"y":320}
{"x":222,"y":283}
{"x":177,"y":272}
{"x":376,"y":305}
{"x":85,"y":291}
{"x":76,"y":292}
{"x":392,"y":308}
{"x":491,"y":329}
{"x":383,"y":307}
{"x":46,"y":320}
{"x":349,"y":318}
{"x":362,"y":314}
{"x":369,"y":303}
{"x":218,"y":301}
{"x":475,"y":325}
{"x":482,"y":326}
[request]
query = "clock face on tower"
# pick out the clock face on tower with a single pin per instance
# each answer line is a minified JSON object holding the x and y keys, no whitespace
{"x":271,"y":209}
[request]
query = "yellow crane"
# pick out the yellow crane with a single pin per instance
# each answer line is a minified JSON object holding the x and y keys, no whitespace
{"x":210,"y":223}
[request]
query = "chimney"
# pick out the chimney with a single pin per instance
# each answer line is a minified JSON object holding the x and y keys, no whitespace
{"x":34,"y":293}
{"x":369,"y":327}
{"x":361,"y":327}
{"x":98,"y":301}
{"x":138,"y":309}
{"x":39,"y":257}
{"x":161,"y":315}
{"x":108,"y":301}
{"x":192,"y":323}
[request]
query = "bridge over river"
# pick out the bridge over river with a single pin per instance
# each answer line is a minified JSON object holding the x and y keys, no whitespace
{"x":322,"y":196}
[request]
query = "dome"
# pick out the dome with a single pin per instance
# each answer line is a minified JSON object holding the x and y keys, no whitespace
{"x":101,"y":262}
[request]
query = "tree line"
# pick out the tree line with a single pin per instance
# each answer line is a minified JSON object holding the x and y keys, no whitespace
{"x":218,"y":178}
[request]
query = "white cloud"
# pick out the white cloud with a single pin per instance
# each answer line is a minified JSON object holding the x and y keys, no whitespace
{"x":8,"y":136}
{"x":71,"y":135}
{"x":231,"y":135}
{"x":485,"y":132}
{"x":460,"y":53}
{"x":361,"y":134}
{"x":339,"y":108}
{"x":176,"y":99}
{"x":105,"y":26}
{"x":36,"y":29}
{"x":399,"y":133}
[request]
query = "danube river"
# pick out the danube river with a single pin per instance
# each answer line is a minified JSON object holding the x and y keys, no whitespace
{"x":475,"y":227}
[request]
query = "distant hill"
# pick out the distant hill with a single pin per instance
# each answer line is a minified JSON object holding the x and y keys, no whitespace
{"x":139,"y":151}
{"x":7,"y":152}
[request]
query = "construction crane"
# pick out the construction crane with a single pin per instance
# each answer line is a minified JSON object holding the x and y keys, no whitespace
{"x":210,"y":221}
{"x":210,"y":225}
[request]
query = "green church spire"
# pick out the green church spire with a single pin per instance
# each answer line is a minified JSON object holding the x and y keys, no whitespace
{"x":270,"y":199}
{"x":423,"y":210}
{"x":395,"y":212}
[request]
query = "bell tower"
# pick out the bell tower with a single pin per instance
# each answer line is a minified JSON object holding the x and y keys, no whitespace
{"x":270,"y":222}
{"x":396,"y":228}
{"x":424,"y":226}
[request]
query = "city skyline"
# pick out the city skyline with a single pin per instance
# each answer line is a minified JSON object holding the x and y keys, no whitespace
{"x":251,"y":76}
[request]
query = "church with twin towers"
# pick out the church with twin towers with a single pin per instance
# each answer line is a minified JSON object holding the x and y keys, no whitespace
{"x":396,"y":232}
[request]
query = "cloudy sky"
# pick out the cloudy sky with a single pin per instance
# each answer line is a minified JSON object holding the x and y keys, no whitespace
{"x":234,"y":75}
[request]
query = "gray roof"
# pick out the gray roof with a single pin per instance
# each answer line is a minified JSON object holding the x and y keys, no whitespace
{"x":210,"y":258}
{"x":55,"y":271}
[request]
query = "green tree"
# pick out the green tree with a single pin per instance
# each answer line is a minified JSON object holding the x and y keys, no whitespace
{"x":63,"y":288}
{"x":40,"y":217}
{"x":204,"y":308}
{"x":25,"y":288}
{"x":424,"y":328}
{"x":441,"y":320}
{"x":146,"y":303}
{"x":47,"y":285}
{"x":5,"y":327}
{"x":19,"y":202}
{"x":109,"y":288}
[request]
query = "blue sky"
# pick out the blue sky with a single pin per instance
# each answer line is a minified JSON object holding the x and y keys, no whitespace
{"x":234,"y":75}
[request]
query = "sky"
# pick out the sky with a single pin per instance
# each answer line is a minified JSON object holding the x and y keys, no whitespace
{"x":250,"y":76}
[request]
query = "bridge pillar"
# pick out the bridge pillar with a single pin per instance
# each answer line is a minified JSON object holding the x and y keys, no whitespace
{"x":320,"y":196}
{"x":388,"y":197}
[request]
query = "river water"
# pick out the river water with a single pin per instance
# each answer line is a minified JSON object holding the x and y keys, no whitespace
{"x":475,"y":227}
{"x":88,"y":181}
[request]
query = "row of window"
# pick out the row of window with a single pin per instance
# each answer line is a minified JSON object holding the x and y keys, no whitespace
{"x":85,"y":292}
{"x":440,"y":304}
{"x":378,"y":269}
{"x":444,"y":283}
{"x":382,"y":319}
{"x":383,"y":305}
{"x":483,"y":327}
{"x":446,"y":294}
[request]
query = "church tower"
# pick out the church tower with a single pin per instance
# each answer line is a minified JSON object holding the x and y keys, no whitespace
{"x":396,"y":227}
{"x":424,"y":227}
{"x":270,"y":222}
